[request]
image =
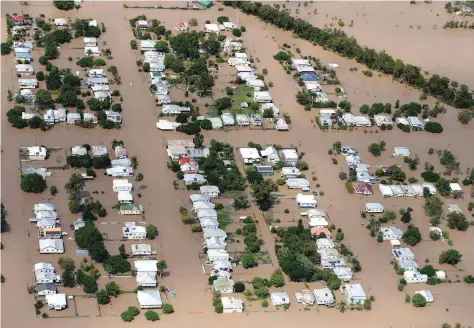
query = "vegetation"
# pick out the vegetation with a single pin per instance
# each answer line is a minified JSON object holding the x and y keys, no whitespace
{"x":168,"y":308}
{"x":64,"y":4}
{"x":418,"y":300}
{"x":451,"y":257}
{"x":434,"y":209}
{"x":412,"y":235}
{"x":151,"y":231}
{"x":33,"y":183}
{"x":433,"y":127}
{"x":262,"y":192}
{"x":457,"y":221}
{"x":75,"y":185}
{"x":151,"y":315}
{"x":90,"y":238}
{"x":116,"y":264}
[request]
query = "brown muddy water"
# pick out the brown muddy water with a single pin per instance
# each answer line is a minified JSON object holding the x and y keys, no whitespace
{"x":176,"y":244}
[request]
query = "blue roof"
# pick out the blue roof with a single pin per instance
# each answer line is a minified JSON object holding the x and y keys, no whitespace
{"x":309,"y":77}
{"x":23,"y":55}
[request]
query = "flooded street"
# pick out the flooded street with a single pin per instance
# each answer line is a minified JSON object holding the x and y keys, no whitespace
{"x":176,"y":243}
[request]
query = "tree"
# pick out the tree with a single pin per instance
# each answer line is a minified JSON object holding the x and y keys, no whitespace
{"x":248,"y":260}
{"x":205,"y":124}
{"x":430,"y":176}
{"x":123,"y":252}
{"x":236,"y":32}
{"x":457,"y":221}
{"x":102,"y":297}
{"x":433,"y":127}
{"x":133,"y":310}
{"x":375,"y":149}
{"x":14,"y":116}
{"x":253,"y":176}
{"x":35,"y":122}
{"x":342,"y":306}
{"x":161,"y":267}
{"x":151,"y":315}
{"x":6,"y":48}
{"x":116,"y":264}
{"x":64,"y":4}
{"x":268,"y":113}
{"x":127,"y":316}
{"x":277,"y":279}
{"x":68,"y":279}
{"x":75,"y":185}
{"x":33,"y":183}
{"x":223,"y":104}
{"x":112,"y":288}
{"x":40,"y":76}
{"x":434,"y":208}
{"x":412,"y":235}
{"x":186,"y":44}
{"x":451,"y":256}
{"x":428,"y":270}
{"x":262,"y":292}
{"x":53,"y":81}
{"x":418,"y":300}
{"x":239,"y":287}
{"x":151,"y":231}
{"x":174,"y":63}
{"x":198,"y":140}
{"x":168,"y":308}
{"x":241,"y":202}
{"x":67,"y":263}
{"x":43,"y":99}
{"x":339,"y":236}
{"x":4,"y":225}
{"x":262,"y":192}
{"x":465,"y":116}
{"x":211,"y":45}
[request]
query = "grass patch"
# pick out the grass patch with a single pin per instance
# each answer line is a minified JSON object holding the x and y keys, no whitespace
{"x":240,"y":96}
{"x":233,"y":194}
{"x":224,"y":218}
{"x":262,"y":257}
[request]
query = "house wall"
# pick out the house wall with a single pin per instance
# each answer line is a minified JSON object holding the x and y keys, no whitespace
{"x":135,"y":235}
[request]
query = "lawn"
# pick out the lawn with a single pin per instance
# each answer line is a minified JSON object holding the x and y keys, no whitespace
{"x":224,"y":217}
{"x":233,"y":194}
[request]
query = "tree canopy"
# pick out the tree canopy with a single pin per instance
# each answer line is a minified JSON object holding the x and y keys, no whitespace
{"x":33,"y":183}
{"x":64,"y":4}
{"x":451,"y":256}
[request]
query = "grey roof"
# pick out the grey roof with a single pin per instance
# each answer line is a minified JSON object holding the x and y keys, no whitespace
{"x":51,"y":287}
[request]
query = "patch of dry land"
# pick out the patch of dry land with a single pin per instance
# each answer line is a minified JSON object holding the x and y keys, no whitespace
{"x":378,"y":25}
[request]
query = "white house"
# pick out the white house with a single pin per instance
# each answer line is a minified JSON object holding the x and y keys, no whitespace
{"x":426,"y":294}
{"x":56,"y":301}
{"x":166,"y":125}
{"x":269,"y":105}
{"x":271,"y":154}
{"x":45,"y":273}
{"x":125,"y":197}
{"x":113,"y":116}
{"x":216,"y":122}
{"x":217,"y":233}
{"x":51,"y":246}
{"x":203,"y":206}
{"x":290,"y":172}
{"x":131,"y":209}
{"x":374,"y":208}
{"x":46,"y":289}
{"x":146,"y":273}
{"x":121,"y":185}
{"x":90,"y":42}
{"x":181,"y":26}
{"x":28,"y":83}
{"x":329,"y":254}
{"x":217,"y":255}
{"x":209,"y":223}
{"x":305,"y":297}
{"x":147,"y":45}
{"x":119,"y":171}
{"x":323,"y":296}
{"x":223,"y":285}
{"x":324,"y":243}
{"x":211,"y":191}
{"x":414,"y":277}
{"x":401,"y":151}
{"x":330,"y":263}
{"x":403,"y":254}
{"x":215,"y":242}
{"x":200,"y":197}
{"x":61,"y":22}
{"x":354,"y":293}
{"x":281,"y":125}
{"x":250,"y":155}
{"x":298,"y":183}
{"x":211,"y":28}
{"x":132,"y":231}
{"x":227,"y":119}
{"x":306,"y":201}
{"x":149,"y":299}
{"x":55,"y":116}
{"x":415,"y":122}
{"x":124,"y":162}
{"x":391,"y":233}
{"x":343,"y":273}
{"x":24,"y":69}
{"x":171,"y":109}
{"x":141,"y":249}
{"x":289,"y":156}
{"x":318,"y":222}
{"x":96,"y":72}
{"x":242,"y":120}
{"x":408,"y":265}
{"x":383,"y":120}
{"x":280,"y":298}
{"x":194,"y":178}
{"x":232,"y":304}
{"x":262,"y":97}
{"x":44,"y":207}
{"x":256,"y":84}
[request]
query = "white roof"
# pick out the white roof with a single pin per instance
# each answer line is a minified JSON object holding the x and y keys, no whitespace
{"x":300,"y":62}
{"x":149,"y":298}
{"x":217,"y":253}
{"x":402,"y":120}
{"x":200,"y":197}
{"x":146,"y":265}
{"x":54,"y":243}
{"x":208,"y":233}
{"x":46,"y":223}
{"x":323,"y":294}
{"x":455,"y":187}
{"x":44,"y":207}
{"x":99,"y":150}
{"x":124,"y":196}
{"x":79,"y":150}
{"x":203,"y":205}
{"x":392,"y":231}
{"x":206,"y":213}
{"x":324,"y":243}
{"x":306,"y":199}
{"x":413,"y":274}
{"x":280,"y":298}
{"x":43,"y":266}
{"x":90,"y":40}
{"x":141,"y":248}
{"x":403,"y":253}
{"x":212,"y":27}
{"x":262,"y":95}
{"x":147,"y":44}
{"x":56,"y":300}
{"x":374,"y":206}
{"x":256,"y":83}
{"x":249,"y":153}
{"x":216,"y":122}
{"x":414,"y":121}
{"x":229,"y":25}
{"x":290,"y":170}
{"x":315,"y":213}
{"x":395,"y":242}
{"x":229,"y":302}
{"x":93,"y":23}
{"x":290,"y":154}
{"x":426,"y":294}
{"x":354,"y":290}
{"x":227,"y":119}
{"x":385,"y":190}
{"x":166,"y":125}
{"x":318,"y":222}
{"x":121,"y":182}
{"x":60,"y":21}
{"x":401,"y":151}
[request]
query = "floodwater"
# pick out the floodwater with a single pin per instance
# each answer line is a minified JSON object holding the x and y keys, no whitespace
{"x":176,"y":244}
{"x":413,"y":33}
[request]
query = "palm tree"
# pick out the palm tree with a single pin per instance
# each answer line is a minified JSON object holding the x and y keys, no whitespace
{"x":107,"y":52}
{"x":162,"y":266}
{"x":342,"y":306}
{"x":89,"y":52}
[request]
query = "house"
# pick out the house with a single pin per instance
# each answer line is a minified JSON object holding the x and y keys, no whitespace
{"x":50,"y":233}
{"x":119,"y":171}
{"x":131,"y":209}
{"x":330,"y":264}
{"x":426,"y":294}
{"x":401,"y":151}
{"x":362,"y":188}
{"x":45,"y":273}
{"x":24,"y":69}
{"x":281,"y":125}
{"x":256,"y":119}
{"x":343,"y":273}
{"x":98,"y":151}
{"x":324,"y":243}
{"x":28,"y":83}
{"x":46,"y":223}
{"x":354,"y":293}
{"x":374,"y":208}
{"x":323,"y":296}
{"x":359,"y":121}
{"x":403,"y":254}
{"x":352,"y":161}
{"x":61,"y":22}
{"x":270,"y":105}
{"x":280,"y":298}
{"x":56,"y":301}
{"x":51,"y":246}
{"x":78,"y":151}
{"x":113,"y":116}
{"x":102,"y":95}
{"x":245,"y":76}
{"x":242,"y":120}
{"x":262,"y":97}
{"x":41,"y":171}
{"x":90,"y":42}
{"x":250,"y":155}
{"x":385,"y":190}
{"x":181,"y":26}
{"x":211,"y":191}
{"x":431,"y":188}
{"x":216,"y":122}
{"x":194,"y":178}
{"x":178,"y":148}
{"x":318,"y":222}
{"x":391,"y":233}
{"x":206,"y":213}
{"x":319,"y":96}
{"x":146,"y":273}
{"x":223,"y":285}
{"x":171,"y":109}
{"x":165,"y":125}
{"x":264,"y":170}
{"x":440,"y":275}
{"x":73,"y":118}
{"x":298,"y":183}
{"x":233,"y":61}
{"x":143,"y":24}
{"x":414,"y":277}
{"x":305,"y":69}
{"x":455,"y":188}
{"x":23,"y":57}
{"x":227,"y":119}
{"x":304,"y":297}
{"x":203,"y":206}
{"x":46,"y":289}
{"x":347,"y":150}
{"x":125,"y":162}
{"x":317,"y":231}
{"x":243,"y":68}
{"x":18,"y":20}
{"x":93,"y":23}
{"x":330,"y":254}
{"x":232,"y":304}
{"x":383,"y":120}
{"x":201,"y":197}
{"x":188,"y":166}
{"x":289,"y":156}
{"x":141,"y":249}
{"x":325,"y":121}
{"x":44,"y":207}
{"x":132,"y":231}
{"x":414,"y":122}
{"x":290,"y":172}
{"x":149,"y":299}
{"x":223,"y":265}
{"x":209,"y":222}
{"x":215,"y":243}
{"x":163,"y":99}
{"x":54,"y":116}
{"x":125,"y":197}
{"x":210,"y":233}
{"x":408,"y":265}
{"x":147,"y":45}
{"x":121,"y":152}
{"x":306,"y":201}
{"x":271,"y":154}
{"x":97,"y":81}
{"x":211,"y":28}
{"x":230,"y":46}
{"x":96,"y":73}
{"x":217,"y":255}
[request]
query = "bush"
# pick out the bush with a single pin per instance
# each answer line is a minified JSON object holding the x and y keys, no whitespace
{"x":428,"y":270}
{"x":412,"y":235}
{"x":239,"y":287}
{"x":126,"y":316}
{"x":33,"y":183}
{"x":469,"y":279}
{"x":418,"y":300}
{"x":168,"y":308}
{"x":102,"y":297}
{"x":152,"y":315}
{"x":457,"y":221}
{"x":151,"y":231}
{"x":236,"y":32}
{"x":264,"y":303}
{"x":116,"y":264}
{"x":133,"y":45}
{"x":430,"y":176}
{"x":133,"y":310}
{"x":433,"y":127}
{"x":451,"y":256}
{"x":434,"y":235}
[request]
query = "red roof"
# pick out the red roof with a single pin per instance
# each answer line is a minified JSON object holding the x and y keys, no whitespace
{"x":18,"y":18}
{"x":184,"y":160}
{"x":317,"y":231}
{"x":180,"y":24}
{"x":362,"y":187}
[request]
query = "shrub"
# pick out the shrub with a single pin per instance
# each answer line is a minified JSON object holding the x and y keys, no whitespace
{"x":430,"y":176}
{"x":133,"y":310}
{"x":428,"y":270}
{"x":418,"y":300}
{"x":33,"y":183}
{"x":151,"y":231}
{"x":236,"y":32}
{"x":126,"y":316}
{"x":433,"y":127}
{"x":168,"y":308}
{"x":264,"y":303}
{"x":152,"y":315}
{"x":239,"y":287}
{"x":451,"y":256}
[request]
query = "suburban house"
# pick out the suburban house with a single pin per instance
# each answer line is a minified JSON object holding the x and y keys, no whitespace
{"x":343,"y":273}
{"x":408,"y":265}
{"x":211,"y":28}
{"x":250,"y":155}
{"x":178,"y":148}
{"x":24,"y":57}
{"x":354,"y":293}
{"x":201,"y":197}
{"x":362,"y":188}
{"x":298,"y":183}
{"x":352,"y":161}
{"x":262,"y":97}
{"x":54,"y":116}
{"x":325,"y":121}
{"x":265,"y":170}
{"x":414,"y":277}
{"x":51,"y":246}
{"x":242,"y":120}
{"x":211,"y":191}
{"x":143,"y":24}
{"x":44,"y":207}
{"x":166,"y":125}
{"x":289,"y":156}
{"x":383,"y":120}
{"x":323,"y":296}
{"x":316,"y":213}
{"x":78,"y":151}
{"x":203,"y":206}
{"x":61,"y":22}
{"x":147,"y":45}
{"x":215,"y":242}
{"x":217,"y":255}
{"x":329,"y":254}
{"x":317,"y":231}
{"x":149,"y":299}
{"x":330,"y":264}
{"x":227,"y":119}
{"x":41,"y":171}
{"x":256,"y":119}
{"x":223,"y":285}
{"x":50,"y":233}
{"x":141,"y":249}
{"x":415,"y":122}
{"x":232,"y":304}
{"x":281,"y":125}
{"x":56,"y":301}
{"x":391,"y":233}
{"x":290,"y":172}
{"x":24,"y":69}
{"x":146,"y":273}
{"x":359,"y":121}
{"x":306,"y":201}
{"x":324,"y":243}
{"x":269,"y":105}
{"x":271,"y":154}
{"x":217,"y":233}
{"x":280,"y":298}
{"x":132,"y":231}
{"x":188,"y":166}
{"x":403,"y":254}
{"x":113,"y":116}
{"x":223,"y":265}
{"x":45,"y":273}
{"x":28,"y":83}
{"x":171,"y":109}
{"x":124,"y":162}
{"x":216,"y":122}
{"x":46,"y":289}
{"x":181,"y":26}
{"x":125,"y":197}
{"x":230,"y":45}
{"x":426,"y":294}
{"x":374,"y":208}
{"x":90,"y":42}
{"x":121,"y":185}
{"x":209,"y":222}
{"x":96,"y":72}
{"x":194,"y":178}
{"x":119,"y":171}
{"x":91,"y":81}
{"x":305,"y":297}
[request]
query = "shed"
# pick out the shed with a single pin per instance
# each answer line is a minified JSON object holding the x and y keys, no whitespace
{"x":250,"y":155}
{"x":56,"y":301}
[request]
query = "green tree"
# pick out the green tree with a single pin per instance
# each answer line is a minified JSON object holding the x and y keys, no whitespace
{"x":64,"y":4}
{"x":428,"y":270}
{"x":90,"y":285}
{"x":418,"y":300}
{"x":465,"y":116}
{"x":67,"y":263}
{"x":152,"y":315}
{"x":236,"y":32}
{"x":14,"y":116}
{"x":33,"y":183}
{"x":211,"y":45}
{"x":262,"y":292}
{"x":102,"y":297}
{"x":248,"y":260}
{"x":168,"y":308}
{"x":375,"y":149}
{"x":434,"y":208}
{"x":223,"y":104}
{"x":198,"y":140}
{"x":75,"y":185}
{"x":133,"y":310}
{"x":412,"y":235}
{"x":68,"y":279}
{"x":127,"y":316}
{"x":277,"y":278}
{"x":43,"y":99}
{"x":451,"y":256}
{"x":457,"y":221}
{"x":112,"y":288}
{"x":122,"y":251}
{"x":6,"y":48}
{"x":161,"y":267}
{"x":116,"y":264}
{"x":262,"y":192}
{"x":239,"y":287}
{"x":151,"y":231}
